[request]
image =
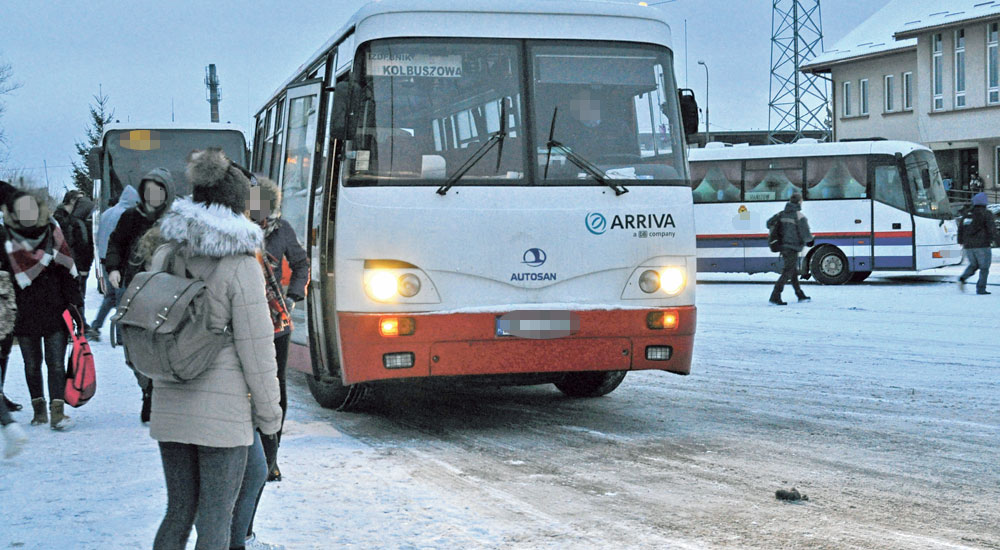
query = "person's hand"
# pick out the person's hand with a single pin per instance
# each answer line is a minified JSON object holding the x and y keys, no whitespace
{"x":289,"y":304}
{"x":115,"y":278}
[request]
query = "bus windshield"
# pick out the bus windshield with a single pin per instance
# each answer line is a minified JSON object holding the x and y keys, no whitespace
{"x":424,"y":108}
{"x":131,"y":154}
{"x":930,"y":200}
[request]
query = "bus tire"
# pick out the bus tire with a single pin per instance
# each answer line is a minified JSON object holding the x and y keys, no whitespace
{"x":829,"y":266}
{"x":590,"y":384}
{"x":330,"y":393}
{"x":859,"y":276}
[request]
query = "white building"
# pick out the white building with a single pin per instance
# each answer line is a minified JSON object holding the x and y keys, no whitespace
{"x":926,"y":71}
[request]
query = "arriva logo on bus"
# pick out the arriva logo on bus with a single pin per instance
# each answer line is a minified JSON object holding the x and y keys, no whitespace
{"x":598,"y":224}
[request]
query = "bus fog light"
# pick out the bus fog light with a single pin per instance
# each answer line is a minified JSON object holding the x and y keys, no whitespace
{"x":396,"y":326}
{"x":399,"y":360}
{"x":659,"y":353}
{"x":649,"y":281}
{"x":408,"y":285}
{"x":657,"y":320}
{"x":382,"y":285}
{"x":672,"y":280}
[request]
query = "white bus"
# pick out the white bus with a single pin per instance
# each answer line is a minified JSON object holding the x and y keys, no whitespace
{"x":496,"y":190}
{"x":872,"y":205}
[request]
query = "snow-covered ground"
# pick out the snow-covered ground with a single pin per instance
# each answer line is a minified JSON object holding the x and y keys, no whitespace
{"x":879,"y":400}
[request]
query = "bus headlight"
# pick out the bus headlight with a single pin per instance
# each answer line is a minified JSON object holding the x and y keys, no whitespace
{"x":649,"y":281}
{"x":672,"y":280}
{"x":382,"y":285}
{"x":408,"y":285}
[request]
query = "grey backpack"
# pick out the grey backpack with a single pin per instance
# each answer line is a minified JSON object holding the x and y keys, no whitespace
{"x":163,"y":320}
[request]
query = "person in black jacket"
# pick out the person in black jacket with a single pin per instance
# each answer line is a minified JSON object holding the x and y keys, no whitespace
{"x":795,"y":235}
{"x":124,"y":259}
{"x":41,"y":264}
{"x":977,"y":232}
{"x":280,"y":245}
{"x":73,"y":216}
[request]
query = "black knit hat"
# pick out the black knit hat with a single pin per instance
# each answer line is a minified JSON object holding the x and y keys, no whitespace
{"x":217,"y":180}
{"x":7,"y":192}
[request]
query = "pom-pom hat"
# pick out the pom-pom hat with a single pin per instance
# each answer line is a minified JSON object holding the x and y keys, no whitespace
{"x":217,"y":180}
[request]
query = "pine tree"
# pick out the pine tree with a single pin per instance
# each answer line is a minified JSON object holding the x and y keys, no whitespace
{"x":100,"y":114}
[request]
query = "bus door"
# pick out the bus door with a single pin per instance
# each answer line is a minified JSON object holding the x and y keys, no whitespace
{"x":892,"y":224}
{"x":295,"y":176}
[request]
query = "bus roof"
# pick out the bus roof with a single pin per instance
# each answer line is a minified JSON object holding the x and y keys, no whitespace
{"x":568,"y":19}
{"x":115,"y":126}
{"x":805,"y":150}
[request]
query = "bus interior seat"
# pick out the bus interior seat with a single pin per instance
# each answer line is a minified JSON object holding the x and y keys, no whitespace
{"x":715,"y":187}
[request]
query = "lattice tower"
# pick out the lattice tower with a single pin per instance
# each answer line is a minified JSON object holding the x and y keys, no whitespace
{"x":798,"y":101}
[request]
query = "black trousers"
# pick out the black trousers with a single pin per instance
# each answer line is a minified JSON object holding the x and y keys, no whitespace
{"x":54,"y":346}
{"x":789,"y":273}
{"x":271,"y":443}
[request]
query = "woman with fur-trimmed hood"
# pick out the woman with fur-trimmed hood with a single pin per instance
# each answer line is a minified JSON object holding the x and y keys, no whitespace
{"x":205,"y":425}
{"x":280,"y":245}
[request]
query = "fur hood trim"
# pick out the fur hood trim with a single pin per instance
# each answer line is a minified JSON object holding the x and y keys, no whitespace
{"x":275,"y":191}
{"x":213,"y":230}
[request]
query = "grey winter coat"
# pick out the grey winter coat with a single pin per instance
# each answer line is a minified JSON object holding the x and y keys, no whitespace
{"x":110,"y":217}
{"x":795,"y":234}
{"x":239,"y":391}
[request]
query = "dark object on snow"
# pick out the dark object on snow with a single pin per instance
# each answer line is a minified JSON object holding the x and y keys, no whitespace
{"x":791,"y":496}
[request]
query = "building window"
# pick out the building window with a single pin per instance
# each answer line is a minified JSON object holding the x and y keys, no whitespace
{"x":960,"y":68}
{"x":937,"y":71}
{"x":992,"y":64}
{"x":847,"y":98}
{"x":890,"y":105}
{"x":907,"y":91}
{"x":863,"y":95}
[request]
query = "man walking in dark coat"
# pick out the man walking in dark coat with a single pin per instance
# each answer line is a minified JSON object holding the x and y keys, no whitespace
{"x":74,"y":219}
{"x":795,"y":235}
{"x":977,"y":232}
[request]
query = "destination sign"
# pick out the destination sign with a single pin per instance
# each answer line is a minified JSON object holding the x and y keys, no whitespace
{"x":422,"y":65}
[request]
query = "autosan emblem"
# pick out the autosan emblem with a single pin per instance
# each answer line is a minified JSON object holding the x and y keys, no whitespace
{"x":596,"y":223}
{"x":533,"y":257}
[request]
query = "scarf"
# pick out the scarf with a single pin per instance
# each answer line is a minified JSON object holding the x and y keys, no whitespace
{"x":270,"y":224}
{"x":281,"y":318}
{"x":29,"y":257}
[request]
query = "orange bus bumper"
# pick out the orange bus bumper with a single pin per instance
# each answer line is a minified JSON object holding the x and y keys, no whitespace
{"x":460,"y":344}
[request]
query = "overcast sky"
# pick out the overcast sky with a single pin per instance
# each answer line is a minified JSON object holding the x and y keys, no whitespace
{"x":145,"y":55}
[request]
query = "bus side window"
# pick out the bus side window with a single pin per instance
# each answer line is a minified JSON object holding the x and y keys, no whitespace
{"x":835,"y":177}
{"x":889,"y":186}
{"x":716,"y":181}
{"x":772,"y":179}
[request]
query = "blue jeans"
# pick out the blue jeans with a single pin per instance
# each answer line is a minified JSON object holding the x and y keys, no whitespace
{"x":253,"y":485}
{"x":54,"y":346}
{"x":111,"y":299}
{"x":202,"y":484}
{"x":979,"y":258}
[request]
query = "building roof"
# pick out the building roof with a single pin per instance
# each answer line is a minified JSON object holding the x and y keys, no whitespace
{"x":956,"y":12}
{"x":874,"y":36}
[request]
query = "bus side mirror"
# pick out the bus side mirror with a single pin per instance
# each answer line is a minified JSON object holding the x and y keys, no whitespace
{"x":94,"y":162}
{"x":689,"y":110}
{"x":340,"y":110}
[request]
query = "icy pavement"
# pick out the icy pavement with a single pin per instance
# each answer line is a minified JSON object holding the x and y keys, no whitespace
{"x":879,"y":400}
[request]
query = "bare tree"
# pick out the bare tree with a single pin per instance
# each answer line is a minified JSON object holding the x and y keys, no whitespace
{"x":7,"y":85}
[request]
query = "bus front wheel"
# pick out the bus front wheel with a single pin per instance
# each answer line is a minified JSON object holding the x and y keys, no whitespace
{"x":330,"y":393}
{"x":590,"y":384}
{"x":829,"y":266}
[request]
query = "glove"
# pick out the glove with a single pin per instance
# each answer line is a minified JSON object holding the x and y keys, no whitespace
{"x":115,"y":278}
{"x":810,"y":243}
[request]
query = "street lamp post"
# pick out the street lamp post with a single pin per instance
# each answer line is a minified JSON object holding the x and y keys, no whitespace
{"x":708,"y":129}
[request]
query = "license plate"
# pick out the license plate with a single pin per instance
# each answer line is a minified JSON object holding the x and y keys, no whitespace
{"x":538,"y":325}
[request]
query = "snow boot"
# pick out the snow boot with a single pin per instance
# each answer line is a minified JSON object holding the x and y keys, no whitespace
{"x":41,"y":416}
{"x":983,"y":292}
{"x":961,"y":285}
{"x":253,"y":544}
{"x":93,"y":334}
{"x":804,"y":298}
{"x":13,"y":439}
{"x":58,"y":420}
{"x":776,"y":300}
{"x":11,"y":406}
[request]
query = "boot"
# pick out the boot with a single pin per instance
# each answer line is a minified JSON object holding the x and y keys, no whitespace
{"x":13,"y":439}
{"x":147,"y":404}
{"x":41,"y":417}
{"x":58,"y":420}
{"x":11,"y":406}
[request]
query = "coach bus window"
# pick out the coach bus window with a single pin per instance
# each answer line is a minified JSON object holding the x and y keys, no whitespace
{"x":278,"y":137}
{"x":423,"y":108}
{"x":835,"y":177}
{"x":772,"y":179}
{"x":716,"y":181}
{"x":926,"y":189}
{"x":614,"y":106}
{"x":298,"y":162}
{"x":889,"y":186}
{"x":258,"y":140}
{"x":264,"y":163}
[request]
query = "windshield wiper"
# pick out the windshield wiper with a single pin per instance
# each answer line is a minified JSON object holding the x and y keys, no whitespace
{"x":496,"y":138}
{"x":581,"y":163}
